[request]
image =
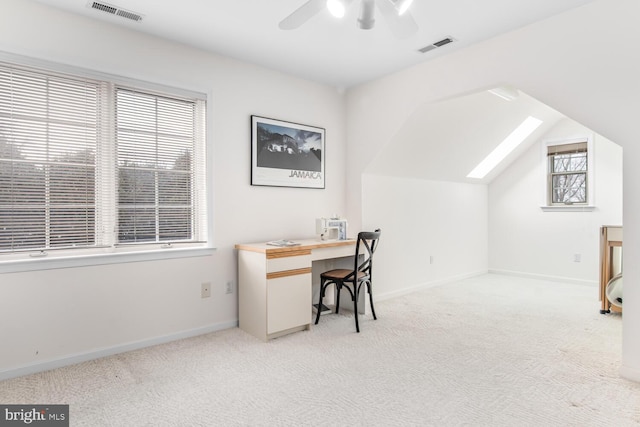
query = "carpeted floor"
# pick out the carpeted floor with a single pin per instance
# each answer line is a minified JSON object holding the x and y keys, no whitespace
{"x":488,"y":351}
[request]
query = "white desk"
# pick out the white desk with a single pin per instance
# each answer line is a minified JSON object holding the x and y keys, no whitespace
{"x":275,"y":284}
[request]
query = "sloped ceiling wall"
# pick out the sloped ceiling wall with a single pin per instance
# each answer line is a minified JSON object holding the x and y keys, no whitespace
{"x":447,"y":139}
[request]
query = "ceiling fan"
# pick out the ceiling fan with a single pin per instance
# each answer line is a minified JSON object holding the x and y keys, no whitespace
{"x":395,"y":12}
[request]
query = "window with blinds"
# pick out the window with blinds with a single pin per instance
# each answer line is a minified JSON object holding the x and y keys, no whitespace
{"x":155,"y":149}
{"x":568,"y":173}
{"x":87,"y":163}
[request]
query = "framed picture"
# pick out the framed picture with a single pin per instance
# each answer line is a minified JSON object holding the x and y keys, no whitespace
{"x":285,"y":154}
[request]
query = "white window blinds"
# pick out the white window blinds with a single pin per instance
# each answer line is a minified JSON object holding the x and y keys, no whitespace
{"x":48,"y":140}
{"x":156,"y":139}
{"x":86,"y":163}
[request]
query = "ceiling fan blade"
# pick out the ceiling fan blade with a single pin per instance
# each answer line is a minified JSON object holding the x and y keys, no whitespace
{"x":302,"y":14}
{"x":402,"y":26}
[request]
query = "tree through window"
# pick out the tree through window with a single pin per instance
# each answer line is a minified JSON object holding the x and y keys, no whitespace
{"x":568,"y":172}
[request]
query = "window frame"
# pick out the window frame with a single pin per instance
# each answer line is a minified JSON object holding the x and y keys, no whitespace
{"x":547,"y":205}
{"x":66,"y":258}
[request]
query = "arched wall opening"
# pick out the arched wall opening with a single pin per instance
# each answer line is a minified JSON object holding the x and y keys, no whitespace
{"x":566,"y":62}
{"x":454,"y":226}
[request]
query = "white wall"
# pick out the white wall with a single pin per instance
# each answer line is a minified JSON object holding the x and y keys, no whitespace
{"x":432,"y":231}
{"x":524,"y":239}
{"x":57,"y":316}
{"x":583,"y":63}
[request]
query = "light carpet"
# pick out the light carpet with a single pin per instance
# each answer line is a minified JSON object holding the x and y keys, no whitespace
{"x":487,"y":351}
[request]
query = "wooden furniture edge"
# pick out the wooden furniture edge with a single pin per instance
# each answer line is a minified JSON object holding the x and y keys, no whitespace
{"x":606,"y":246}
{"x":287,"y":273}
{"x":275,"y":251}
{"x":286,"y":254}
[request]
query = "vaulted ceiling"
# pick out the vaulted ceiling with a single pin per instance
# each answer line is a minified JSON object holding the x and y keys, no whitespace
{"x":446,"y":140}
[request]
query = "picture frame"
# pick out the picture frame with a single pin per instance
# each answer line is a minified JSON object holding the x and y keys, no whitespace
{"x":286,"y":154}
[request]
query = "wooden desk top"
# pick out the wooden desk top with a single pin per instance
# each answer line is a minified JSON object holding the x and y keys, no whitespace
{"x":305,"y":245}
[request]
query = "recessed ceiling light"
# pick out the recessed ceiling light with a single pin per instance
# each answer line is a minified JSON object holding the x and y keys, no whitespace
{"x":509,"y":144}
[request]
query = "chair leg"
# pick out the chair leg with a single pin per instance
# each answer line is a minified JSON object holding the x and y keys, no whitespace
{"x":373,"y":310}
{"x":323,"y":287}
{"x":338,"y":292}
{"x":355,"y":305}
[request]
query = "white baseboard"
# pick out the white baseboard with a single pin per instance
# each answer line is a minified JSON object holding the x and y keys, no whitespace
{"x":545,"y":277}
{"x":83,"y":357}
{"x":110,"y":351}
{"x":421,"y":286}
{"x":630,"y":373}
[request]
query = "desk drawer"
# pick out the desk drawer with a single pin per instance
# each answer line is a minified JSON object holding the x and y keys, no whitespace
{"x":288,"y":263}
{"x":333,"y":252}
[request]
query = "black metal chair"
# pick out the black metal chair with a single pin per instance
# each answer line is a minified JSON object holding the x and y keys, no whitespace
{"x":352,"y":280}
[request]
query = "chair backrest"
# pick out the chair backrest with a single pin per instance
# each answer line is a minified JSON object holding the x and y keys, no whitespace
{"x":366,"y":246}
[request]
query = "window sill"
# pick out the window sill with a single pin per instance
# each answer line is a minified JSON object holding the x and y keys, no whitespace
{"x":23,"y":265}
{"x":568,"y":208}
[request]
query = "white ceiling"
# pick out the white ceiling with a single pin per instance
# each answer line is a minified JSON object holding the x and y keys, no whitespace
{"x":325,"y":49}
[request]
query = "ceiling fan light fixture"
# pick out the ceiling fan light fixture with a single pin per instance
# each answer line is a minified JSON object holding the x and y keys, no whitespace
{"x":366,"y":20}
{"x":336,"y":8}
{"x":402,"y":6}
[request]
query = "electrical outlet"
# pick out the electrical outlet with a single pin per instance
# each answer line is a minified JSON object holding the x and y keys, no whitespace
{"x":576,"y":257}
{"x":431,"y":259}
{"x":205,"y":290}
{"x":229,"y":287}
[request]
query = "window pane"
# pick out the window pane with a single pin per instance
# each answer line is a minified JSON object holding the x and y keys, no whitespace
{"x":174,"y":188}
{"x":136,"y":225}
{"x":21,"y":182}
{"x":72,"y":227}
{"x":575,"y":162}
{"x":71,"y":184}
{"x":22,"y":228}
{"x":136,"y":186}
{"x":569,"y":188}
{"x":175,"y":224}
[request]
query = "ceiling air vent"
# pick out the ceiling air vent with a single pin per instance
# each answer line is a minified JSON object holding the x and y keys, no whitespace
{"x":114,"y":10}
{"x":437,"y":44}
